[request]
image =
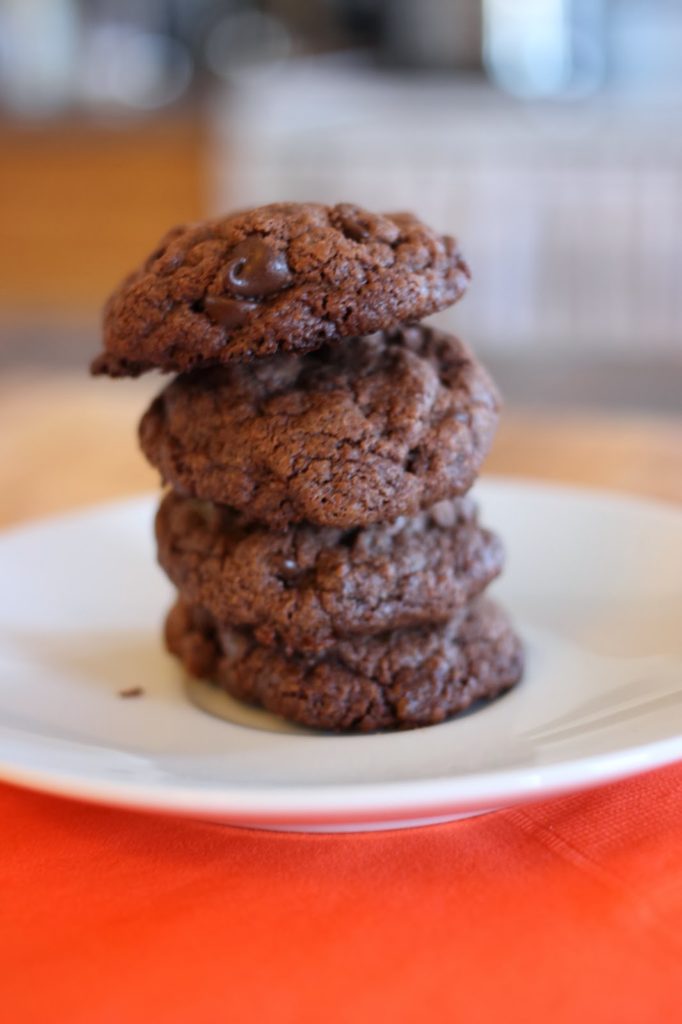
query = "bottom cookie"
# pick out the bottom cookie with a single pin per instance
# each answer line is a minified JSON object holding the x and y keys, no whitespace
{"x":403,"y":679}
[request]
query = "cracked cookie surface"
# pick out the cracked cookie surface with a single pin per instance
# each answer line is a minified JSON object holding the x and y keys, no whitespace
{"x":379,"y":427}
{"x":305,"y":588}
{"x":403,"y":679}
{"x":285,"y":277}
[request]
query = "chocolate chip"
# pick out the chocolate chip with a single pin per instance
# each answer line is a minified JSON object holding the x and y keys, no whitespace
{"x":204,"y":510}
{"x":413,"y":460}
{"x":355,"y":223}
{"x":229,"y":313}
{"x":289,"y":573}
{"x":233,"y":643}
{"x":348,"y":537}
{"x":354,"y":229}
{"x":361,"y":225}
{"x":444,"y":514}
{"x":255,"y":269}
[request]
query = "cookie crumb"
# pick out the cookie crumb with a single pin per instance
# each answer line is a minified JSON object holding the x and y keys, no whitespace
{"x":131,"y":691}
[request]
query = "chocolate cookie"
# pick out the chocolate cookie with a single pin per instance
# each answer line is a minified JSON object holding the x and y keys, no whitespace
{"x":287,"y":277}
{"x":361,"y":433}
{"x":402,"y":679}
{"x":305,"y":588}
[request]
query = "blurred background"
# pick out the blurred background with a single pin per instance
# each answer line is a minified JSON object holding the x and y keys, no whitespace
{"x":546,"y":134}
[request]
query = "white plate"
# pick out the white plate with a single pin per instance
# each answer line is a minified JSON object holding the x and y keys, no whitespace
{"x":594,"y":583}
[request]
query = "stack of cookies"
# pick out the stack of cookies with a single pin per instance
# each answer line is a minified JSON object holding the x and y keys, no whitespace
{"x":318,"y":443}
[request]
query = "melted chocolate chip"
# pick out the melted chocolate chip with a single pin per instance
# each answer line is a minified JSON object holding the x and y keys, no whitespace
{"x":204,"y":510}
{"x":289,"y":573}
{"x":229,"y":313}
{"x":255,"y":269}
{"x":362,"y":226}
{"x":234,"y":643}
{"x":355,"y":225}
{"x":444,"y":514}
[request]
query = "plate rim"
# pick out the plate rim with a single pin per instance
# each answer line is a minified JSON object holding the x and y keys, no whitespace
{"x":371,"y":801}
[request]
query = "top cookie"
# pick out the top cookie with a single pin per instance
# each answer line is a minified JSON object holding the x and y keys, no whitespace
{"x":286,"y":277}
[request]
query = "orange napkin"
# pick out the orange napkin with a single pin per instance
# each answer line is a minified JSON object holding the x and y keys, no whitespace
{"x":569,"y":910}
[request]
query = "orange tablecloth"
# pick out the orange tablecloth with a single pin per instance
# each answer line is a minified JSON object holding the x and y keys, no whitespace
{"x":564,"y":911}
{"x":567,"y":911}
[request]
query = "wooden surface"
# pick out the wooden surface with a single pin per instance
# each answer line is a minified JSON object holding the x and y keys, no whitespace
{"x":110,"y":192}
{"x":67,"y":440}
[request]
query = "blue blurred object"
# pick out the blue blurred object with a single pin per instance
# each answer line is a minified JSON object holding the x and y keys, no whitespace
{"x":118,"y":54}
{"x":545,"y":48}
